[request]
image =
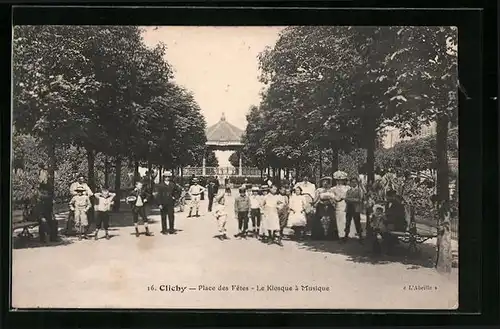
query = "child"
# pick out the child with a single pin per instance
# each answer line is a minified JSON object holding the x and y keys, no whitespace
{"x":195,"y":192}
{"x":241,"y":209}
{"x":283,"y":209}
{"x":297,"y":218}
{"x":377,"y":226}
{"x":264,"y":190}
{"x":255,"y":215}
{"x":80,"y":205}
{"x":137,"y":200}
{"x":182,"y":198}
{"x":104,"y":201}
{"x":271,"y":204}
{"x":221,"y":215}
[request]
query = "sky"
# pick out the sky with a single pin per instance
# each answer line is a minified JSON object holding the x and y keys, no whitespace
{"x":218,"y":64}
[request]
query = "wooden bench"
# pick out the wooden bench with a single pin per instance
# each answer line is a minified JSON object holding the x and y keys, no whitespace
{"x":417,"y":233}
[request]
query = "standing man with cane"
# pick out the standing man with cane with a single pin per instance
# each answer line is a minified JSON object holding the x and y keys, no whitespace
{"x":168,"y":193}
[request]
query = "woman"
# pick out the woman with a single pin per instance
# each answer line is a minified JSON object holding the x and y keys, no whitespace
{"x":271,"y":204}
{"x":340,"y":191}
{"x":297,"y":217}
{"x":324,"y":225}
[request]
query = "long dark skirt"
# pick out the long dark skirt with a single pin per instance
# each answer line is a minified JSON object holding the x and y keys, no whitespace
{"x":324,"y":226}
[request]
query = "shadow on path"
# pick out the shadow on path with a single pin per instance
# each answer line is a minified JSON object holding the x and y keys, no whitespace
{"x":362,"y":253}
{"x":34,"y":242}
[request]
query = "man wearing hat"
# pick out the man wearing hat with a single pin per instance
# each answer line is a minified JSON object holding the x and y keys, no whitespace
{"x":212,"y":192}
{"x":80,"y":182}
{"x":195,"y":192}
{"x":168,"y":193}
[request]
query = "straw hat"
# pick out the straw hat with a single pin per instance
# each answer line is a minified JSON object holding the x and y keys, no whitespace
{"x":80,"y":189}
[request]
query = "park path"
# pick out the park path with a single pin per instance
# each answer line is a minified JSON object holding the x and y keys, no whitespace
{"x":116,"y":273}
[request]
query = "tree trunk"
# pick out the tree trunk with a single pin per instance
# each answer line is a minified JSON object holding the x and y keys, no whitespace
{"x":51,"y":223}
{"x":335,"y":159}
{"x":444,"y":257}
{"x":320,"y":158}
{"x":118,"y":175}
{"x":288,"y":174}
{"x":297,"y":173}
{"x":137,"y":175}
{"x":92,"y":184}
{"x":91,"y":168}
{"x":106,"y":171}
{"x":160,"y":174}
{"x":261,"y":174}
{"x":150,"y":176}
{"x":370,"y":153}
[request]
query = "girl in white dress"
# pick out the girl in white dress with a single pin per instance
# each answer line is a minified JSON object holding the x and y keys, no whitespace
{"x":262,"y":229}
{"x":271,"y":219}
{"x":297,"y":217}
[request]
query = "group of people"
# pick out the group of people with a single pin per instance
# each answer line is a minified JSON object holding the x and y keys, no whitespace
{"x":165,"y":195}
{"x":326,"y":212}
{"x":262,"y":211}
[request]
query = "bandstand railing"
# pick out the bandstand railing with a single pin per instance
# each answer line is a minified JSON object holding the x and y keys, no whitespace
{"x":222,"y":171}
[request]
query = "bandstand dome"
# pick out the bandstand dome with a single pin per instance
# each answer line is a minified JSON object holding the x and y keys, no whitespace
{"x":223,"y":135}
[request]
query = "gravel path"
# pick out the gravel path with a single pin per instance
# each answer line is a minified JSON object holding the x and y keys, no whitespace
{"x":192,"y":269}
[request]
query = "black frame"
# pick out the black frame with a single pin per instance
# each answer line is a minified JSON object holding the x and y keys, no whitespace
{"x":478,"y":302}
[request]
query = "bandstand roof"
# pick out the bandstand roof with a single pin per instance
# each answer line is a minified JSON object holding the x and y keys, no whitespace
{"x":224,"y":134}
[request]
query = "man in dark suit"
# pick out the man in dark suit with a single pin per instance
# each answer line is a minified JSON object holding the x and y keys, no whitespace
{"x":168,"y":193}
{"x":212,"y":192}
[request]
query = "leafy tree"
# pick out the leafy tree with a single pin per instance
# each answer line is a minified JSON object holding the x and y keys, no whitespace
{"x":234,"y":159}
{"x":425,"y":90}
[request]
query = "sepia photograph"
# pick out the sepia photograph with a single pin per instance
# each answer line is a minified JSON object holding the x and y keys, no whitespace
{"x":235,"y":167}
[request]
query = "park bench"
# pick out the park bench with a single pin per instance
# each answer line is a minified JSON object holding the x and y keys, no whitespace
{"x":23,"y":219}
{"x":418,"y":231}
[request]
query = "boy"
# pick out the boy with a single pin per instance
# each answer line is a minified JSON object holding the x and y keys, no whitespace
{"x":137,"y":200}
{"x":195,"y":192}
{"x":104,"y":201}
{"x":255,"y":205}
{"x":241,"y":209}
{"x":80,"y":204}
{"x":221,"y":215}
{"x":283,"y":209}
{"x":354,"y":205}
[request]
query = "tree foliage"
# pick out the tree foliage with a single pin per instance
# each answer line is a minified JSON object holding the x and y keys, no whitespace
{"x":101,"y":88}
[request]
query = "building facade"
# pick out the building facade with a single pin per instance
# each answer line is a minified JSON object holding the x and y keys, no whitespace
{"x":392,"y":135}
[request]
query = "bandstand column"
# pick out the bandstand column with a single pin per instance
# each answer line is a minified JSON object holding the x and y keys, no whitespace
{"x":203,"y":168}
{"x":240,"y":168}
